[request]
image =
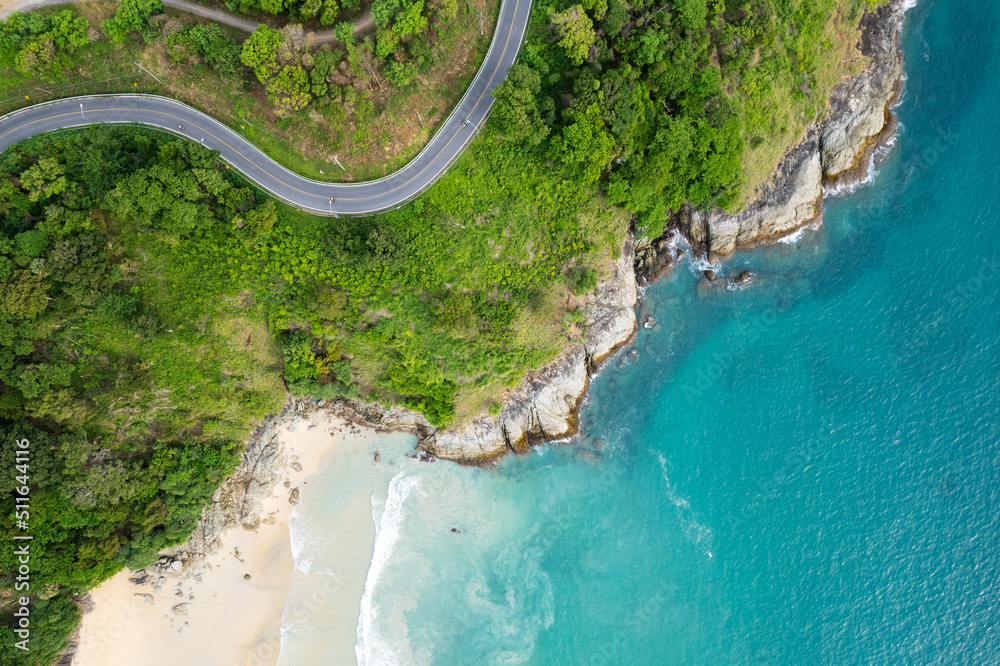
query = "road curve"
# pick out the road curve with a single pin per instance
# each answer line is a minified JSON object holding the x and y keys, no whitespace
{"x":314,"y":196}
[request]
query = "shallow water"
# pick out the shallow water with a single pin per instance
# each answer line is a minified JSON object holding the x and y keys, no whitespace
{"x":804,"y":471}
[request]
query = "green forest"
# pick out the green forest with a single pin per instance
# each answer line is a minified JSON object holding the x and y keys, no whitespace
{"x":293,"y":72}
{"x":154,"y":306}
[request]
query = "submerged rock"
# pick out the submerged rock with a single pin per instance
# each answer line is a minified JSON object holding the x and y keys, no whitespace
{"x":706,"y":286}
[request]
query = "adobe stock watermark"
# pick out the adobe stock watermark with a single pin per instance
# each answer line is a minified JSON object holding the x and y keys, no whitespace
{"x":268,"y":647}
{"x":955,"y":302}
{"x":22,"y":544}
{"x":706,"y":377}
{"x":649,"y":610}
{"x":125,"y":616}
{"x":929,"y":156}
{"x":764,"y":490}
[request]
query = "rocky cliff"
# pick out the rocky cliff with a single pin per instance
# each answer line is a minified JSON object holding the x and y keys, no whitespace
{"x":835,"y":152}
{"x":543,"y":407}
{"x":238,"y":501}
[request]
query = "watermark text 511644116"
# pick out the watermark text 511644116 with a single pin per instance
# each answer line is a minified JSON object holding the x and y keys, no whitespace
{"x":22,"y":543}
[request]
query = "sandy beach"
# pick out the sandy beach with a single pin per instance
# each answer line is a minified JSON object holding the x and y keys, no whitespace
{"x":211,"y":613}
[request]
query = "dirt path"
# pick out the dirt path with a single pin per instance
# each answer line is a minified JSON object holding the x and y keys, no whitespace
{"x":363,"y":23}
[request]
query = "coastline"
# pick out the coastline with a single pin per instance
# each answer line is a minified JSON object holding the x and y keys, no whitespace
{"x":542,"y":408}
{"x":835,"y":153}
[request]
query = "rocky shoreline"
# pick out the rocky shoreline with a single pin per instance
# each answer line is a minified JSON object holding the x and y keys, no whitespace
{"x":835,"y":153}
{"x":543,"y":407}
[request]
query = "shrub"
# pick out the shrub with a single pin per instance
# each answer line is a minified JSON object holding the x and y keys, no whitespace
{"x":132,"y":16}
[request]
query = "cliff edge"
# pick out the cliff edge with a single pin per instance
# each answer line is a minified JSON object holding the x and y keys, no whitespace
{"x":834,"y":152}
{"x":544,"y":405}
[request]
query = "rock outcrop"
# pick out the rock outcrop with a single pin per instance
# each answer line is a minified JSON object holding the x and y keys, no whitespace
{"x":543,"y":407}
{"x":239,"y":500}
{"x":834,"y":153}
{"x":653,"y":259}
{"x":861,"y":118}
{"x":792,"y":200}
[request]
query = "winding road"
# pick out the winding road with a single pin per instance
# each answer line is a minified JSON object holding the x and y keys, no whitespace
{"x":313,"y":196}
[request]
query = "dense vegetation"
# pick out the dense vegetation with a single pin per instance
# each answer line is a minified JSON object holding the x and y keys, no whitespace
{"x":292,"y":71}
{"x":668,"y":102}
{"x":134,"y":408}
{"x":152,"y":305}
{"x":43,"y":44}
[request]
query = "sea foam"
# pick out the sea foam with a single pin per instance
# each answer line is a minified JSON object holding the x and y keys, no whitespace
{"x":372,"y":648}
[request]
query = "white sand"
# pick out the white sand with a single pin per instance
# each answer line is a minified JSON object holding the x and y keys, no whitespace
{"x":232,"y":621}
{"x":334,"y":534}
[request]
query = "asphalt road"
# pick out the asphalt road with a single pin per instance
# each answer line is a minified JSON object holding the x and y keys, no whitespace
{"x":311,"y":195}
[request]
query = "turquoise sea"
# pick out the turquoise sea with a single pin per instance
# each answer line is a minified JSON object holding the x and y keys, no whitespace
{"x":806,"y":471}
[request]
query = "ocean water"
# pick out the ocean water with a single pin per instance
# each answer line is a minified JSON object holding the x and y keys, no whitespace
{"x":806,"y":471}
